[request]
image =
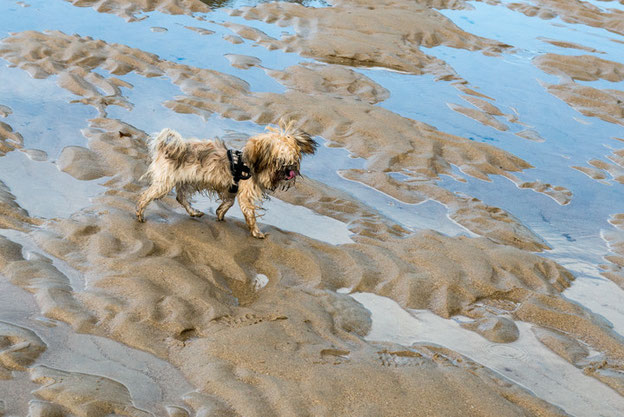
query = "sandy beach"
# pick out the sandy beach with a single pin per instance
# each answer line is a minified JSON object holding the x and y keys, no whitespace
{"x":454,"y":248}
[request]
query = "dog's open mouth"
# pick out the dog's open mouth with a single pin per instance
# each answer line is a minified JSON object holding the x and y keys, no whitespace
{"x":285,"y":177}
{"x":289,"y":173}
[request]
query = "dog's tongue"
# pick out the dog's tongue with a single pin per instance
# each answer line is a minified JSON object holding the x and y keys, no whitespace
{"x":292,"y":174}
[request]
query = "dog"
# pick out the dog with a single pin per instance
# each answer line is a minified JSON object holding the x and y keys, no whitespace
{"x":268,"y":161}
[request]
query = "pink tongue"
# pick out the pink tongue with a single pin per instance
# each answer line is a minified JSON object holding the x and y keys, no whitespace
{"x":291,"y":175}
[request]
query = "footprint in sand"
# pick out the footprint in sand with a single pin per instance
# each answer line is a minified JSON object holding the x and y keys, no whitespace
{"x":505,"y":351}
{"x":402,"y":358}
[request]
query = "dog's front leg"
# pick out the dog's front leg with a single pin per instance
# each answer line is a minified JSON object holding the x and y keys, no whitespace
{"x":248,"y":194}
{"x":249,"y":212}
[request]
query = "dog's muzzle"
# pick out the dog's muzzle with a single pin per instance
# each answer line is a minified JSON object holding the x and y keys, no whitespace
{"x":289,"y":173}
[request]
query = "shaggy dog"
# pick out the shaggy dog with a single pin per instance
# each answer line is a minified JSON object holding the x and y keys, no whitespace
{"x":268,"y":161}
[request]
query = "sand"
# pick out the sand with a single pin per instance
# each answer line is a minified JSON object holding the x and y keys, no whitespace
{"x":607,"y":104}
{"x":10,"y":139}
{"x":578,"y":12}
{"x":615,"y":240}
{"x":132,"y":11}
{"x":101,"y":315}
{"x":310,"y":327}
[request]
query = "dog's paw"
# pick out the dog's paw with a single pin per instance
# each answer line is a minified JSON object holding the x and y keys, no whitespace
{"x":197,"y":213}
{"x":258,"y":234}
{"x":140,"y":218}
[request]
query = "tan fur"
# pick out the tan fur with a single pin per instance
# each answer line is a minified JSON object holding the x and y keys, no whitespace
{"x":202,"y":166}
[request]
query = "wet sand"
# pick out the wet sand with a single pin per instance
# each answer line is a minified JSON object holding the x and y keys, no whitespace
{"x":455,"y":247}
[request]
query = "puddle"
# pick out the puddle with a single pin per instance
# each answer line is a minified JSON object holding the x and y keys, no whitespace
{"x":525,"y":361}
{"x":150,"y":115}
{"x":523,"y":32}
{"x":597,"y":293}
{"x":431,"y":97}
{"x":43,"y":190}
{"x":37,"y":107}
{"x":286,"y":216}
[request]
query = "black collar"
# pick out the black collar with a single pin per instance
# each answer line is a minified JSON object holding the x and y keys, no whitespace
{"x":239,"y":170}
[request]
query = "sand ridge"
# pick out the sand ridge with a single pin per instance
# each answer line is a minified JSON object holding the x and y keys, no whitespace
{"x":580,"y":67}
{"x":319,"y":79}
{"x":20,"y":348}
{"x":131,"y":10}
{"x":574,"y":11}
{"x":607,"y":104}
{"x":571,"y":45}
{"x":82,"y":394}
{"x":12,"y":216}
{"x":615,"y":239}
{"x":9,"y":139}
{"x":601,"y":170}
{"x":390,"y":39}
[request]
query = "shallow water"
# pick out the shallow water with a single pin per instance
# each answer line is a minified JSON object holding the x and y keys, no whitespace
{"x":36,"y":106}
{"x":571,"y":139}
{"x":51,"y":193}
{"x":289,"y":217}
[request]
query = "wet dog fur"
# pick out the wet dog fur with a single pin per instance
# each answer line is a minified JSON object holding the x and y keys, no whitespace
{"x":193,"y":165}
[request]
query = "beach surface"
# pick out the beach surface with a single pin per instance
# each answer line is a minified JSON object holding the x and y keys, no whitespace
{"x":454,"y":248}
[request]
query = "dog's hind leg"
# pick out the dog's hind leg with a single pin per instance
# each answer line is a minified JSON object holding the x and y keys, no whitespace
{"x":227,"y":202}
{"x":154,"y":192}
{"x":182,"y":193}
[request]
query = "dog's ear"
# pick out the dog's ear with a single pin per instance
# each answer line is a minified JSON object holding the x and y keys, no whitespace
{"x":258,"y":154}
{"x":306,"y":143}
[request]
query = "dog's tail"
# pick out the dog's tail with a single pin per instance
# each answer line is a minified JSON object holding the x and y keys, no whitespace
{"x":168,"y":143}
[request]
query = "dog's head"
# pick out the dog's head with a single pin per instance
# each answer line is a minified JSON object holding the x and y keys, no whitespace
{"x":275,"y":157}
